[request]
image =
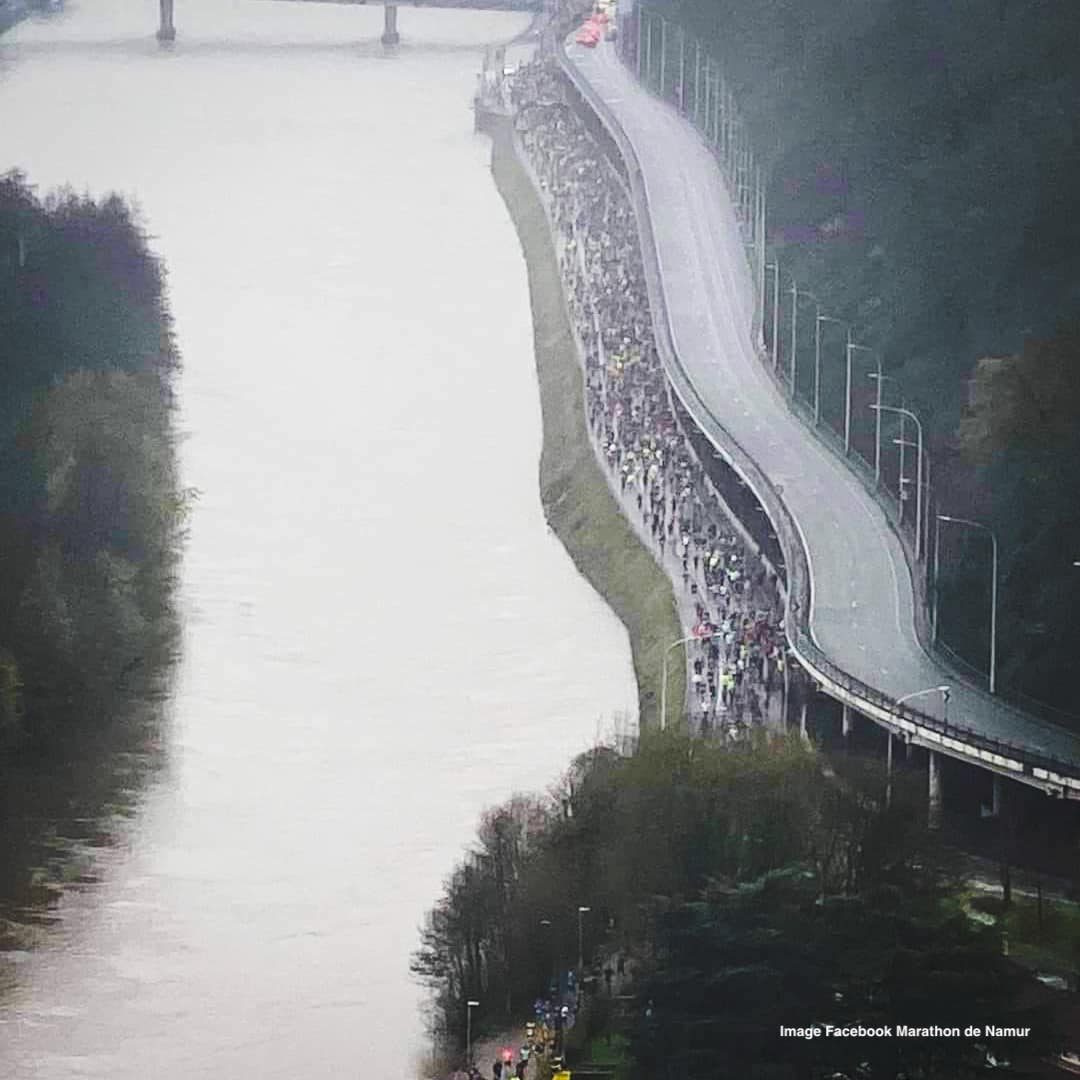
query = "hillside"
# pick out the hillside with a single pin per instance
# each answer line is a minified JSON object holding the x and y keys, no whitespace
{"x":924,"y":181}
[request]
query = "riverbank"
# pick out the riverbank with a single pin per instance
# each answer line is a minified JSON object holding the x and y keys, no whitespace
{"x":11,"y":15}
{"x":577,"y":502}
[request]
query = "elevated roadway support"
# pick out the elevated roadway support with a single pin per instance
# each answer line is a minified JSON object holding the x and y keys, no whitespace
{"x":390,"y":35}
{"x":937,"y":791}
{"x":166,"y":29}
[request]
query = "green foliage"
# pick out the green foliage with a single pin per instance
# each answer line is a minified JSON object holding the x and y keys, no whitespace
{"x":10,"y":697}
{"x":736,"y":965}
{"x":92,"y":514}
{"x":923,"y":180}
{"x":752,"y":886}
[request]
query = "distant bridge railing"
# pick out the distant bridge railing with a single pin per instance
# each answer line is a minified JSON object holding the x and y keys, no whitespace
{"x":1058,"y":776}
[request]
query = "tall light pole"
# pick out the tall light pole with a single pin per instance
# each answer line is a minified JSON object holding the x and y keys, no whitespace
{"x":663,"y":676}
{"x":546,"y":923}
{"x":937,"y":563}
{"x":918,"y":470}
{"x":795,"y":294}
{"x":817,"y":369}
{"x":944,"y":691}
{"x":877,"y":375}
{"x":581,"y":911}
{"x":663,"y":679}
{"x":993,"y":590}
{"x":760,"y":233}
{"x":853,"y":347}
{"x":775,"y":268}
{"x":469,"y":1006}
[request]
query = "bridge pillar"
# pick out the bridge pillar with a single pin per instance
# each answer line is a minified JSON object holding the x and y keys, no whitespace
{"x":846,"y":722}
{"x":933,"y":817}
{"x":802,"y":722}
{"x":390,"y":35}
{"x":888,"y":772}
{"x":995,"y":797}
{"x":166,"y":30}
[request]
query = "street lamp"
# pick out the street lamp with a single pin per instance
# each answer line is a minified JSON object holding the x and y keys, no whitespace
{"x":469,"y":1006}
{"x":817,"y":369}
{"x":993,"y":588}
{"x":944,"y":691}
{"x":663,"y":676}
{"x":851,"y":345}
{"x":877,"y":375}
{"x":546,"y":923}
{"x":663,"y":679}
{"x":918,"y":470}
{"x":794,"y":319}
{"x":582,"y":909}
{"x":775,"y":268}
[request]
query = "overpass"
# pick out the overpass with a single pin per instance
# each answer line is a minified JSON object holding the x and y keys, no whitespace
{"x":167,"y":27}
{"x":853,"y":610}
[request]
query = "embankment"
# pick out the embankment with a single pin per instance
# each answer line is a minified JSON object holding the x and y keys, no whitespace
{"x":577,"y":501}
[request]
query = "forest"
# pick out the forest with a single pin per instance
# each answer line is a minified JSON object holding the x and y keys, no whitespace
{"x":753,"y":885}
{"x":91,"y":511}
{"x":923,"y":180}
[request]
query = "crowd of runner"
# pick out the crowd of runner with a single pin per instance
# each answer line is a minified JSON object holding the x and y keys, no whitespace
{"x":738,"y":660}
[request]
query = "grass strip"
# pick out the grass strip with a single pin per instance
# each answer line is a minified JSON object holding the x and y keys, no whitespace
{"x":578,"y":503}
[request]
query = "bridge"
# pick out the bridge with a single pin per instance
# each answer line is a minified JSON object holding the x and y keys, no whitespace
{"x":854,"y":608}
{"x":167,"y":27}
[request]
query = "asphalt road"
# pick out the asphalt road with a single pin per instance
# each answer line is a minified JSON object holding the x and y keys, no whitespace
{"x":862,"y":613}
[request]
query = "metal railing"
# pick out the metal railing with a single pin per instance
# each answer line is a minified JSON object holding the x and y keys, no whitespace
{"x":696,"y":87}
{"x":962,"y":741}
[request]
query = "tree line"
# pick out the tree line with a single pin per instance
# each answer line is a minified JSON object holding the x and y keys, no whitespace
{"x":91,"y":510}
{"x":923,"y":172}
{"x":753,"y":886}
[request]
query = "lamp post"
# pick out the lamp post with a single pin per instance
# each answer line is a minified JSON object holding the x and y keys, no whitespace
{"x":918,"y":469}
{"x":663,"y":676}
{"x":944,"y":691}
{"x":663,"y":680}
{"x":775,"y":268}
{"x":795,"y":294}
{"x":880,"y":378}
{"x":851,"y":347}
{"x":546,"y":923}
{"x":993,"y":589}
{"x":817,"y":370}
{"x":469,"y":1006}
{"x":582,"y":910}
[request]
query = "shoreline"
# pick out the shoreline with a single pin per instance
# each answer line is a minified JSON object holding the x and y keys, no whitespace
{"x":577,"y":501}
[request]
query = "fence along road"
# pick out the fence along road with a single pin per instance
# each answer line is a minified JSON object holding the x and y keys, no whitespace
{"x":861,"y":620}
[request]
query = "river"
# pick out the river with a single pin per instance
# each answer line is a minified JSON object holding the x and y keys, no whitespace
{"x":381,"y":635}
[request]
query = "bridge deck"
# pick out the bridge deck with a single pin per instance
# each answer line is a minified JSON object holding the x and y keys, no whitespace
{"x":862,"y":613}
{"x":478,"y":5}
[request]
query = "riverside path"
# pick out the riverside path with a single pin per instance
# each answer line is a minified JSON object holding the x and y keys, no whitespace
{"x":862,"y":607}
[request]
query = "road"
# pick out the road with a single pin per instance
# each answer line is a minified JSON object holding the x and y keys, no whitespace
{"x":862,"y":614}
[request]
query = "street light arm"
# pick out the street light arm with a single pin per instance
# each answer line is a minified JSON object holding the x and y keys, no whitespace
{"x":993,"y":589}
{"x":920,"y":693}
{"x":966,"y":521}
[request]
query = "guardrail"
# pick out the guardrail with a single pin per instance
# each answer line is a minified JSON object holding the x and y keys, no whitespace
{"x":1011,"y":759}
{"x":711,"y":123}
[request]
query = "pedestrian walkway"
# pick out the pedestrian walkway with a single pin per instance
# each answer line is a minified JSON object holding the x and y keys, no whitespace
{"x":735,"y":667}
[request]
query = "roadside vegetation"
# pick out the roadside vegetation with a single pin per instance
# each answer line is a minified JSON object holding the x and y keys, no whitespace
{"x":577,"y":501}
{"x":91,"y":512}
{"x":750,"y":886}
{"x":923,"y":176}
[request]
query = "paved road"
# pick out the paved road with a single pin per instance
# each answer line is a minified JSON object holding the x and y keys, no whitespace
{"x":863,"y":604}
